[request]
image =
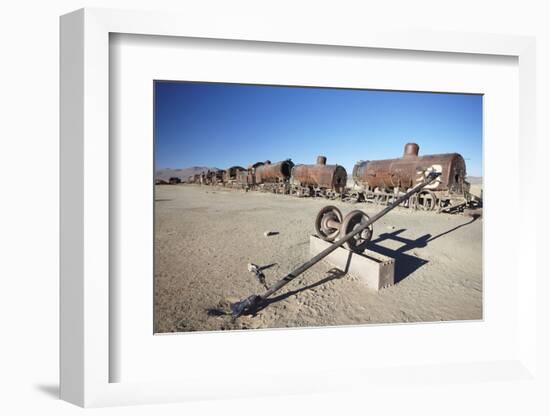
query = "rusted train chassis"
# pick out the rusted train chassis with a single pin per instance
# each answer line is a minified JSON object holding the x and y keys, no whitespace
{"x":379,"y":181}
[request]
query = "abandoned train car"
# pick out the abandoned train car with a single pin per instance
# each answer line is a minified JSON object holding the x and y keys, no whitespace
{"x":274,"y":177}
{"x":319,"y":179}
{"x":383,"y":180}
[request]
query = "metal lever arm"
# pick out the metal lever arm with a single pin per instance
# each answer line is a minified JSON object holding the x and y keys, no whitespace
{"x":250,"y":303}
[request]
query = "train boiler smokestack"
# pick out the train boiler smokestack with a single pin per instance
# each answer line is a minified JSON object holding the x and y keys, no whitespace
{"x":411,"y":150}
{"x":321,"y":160}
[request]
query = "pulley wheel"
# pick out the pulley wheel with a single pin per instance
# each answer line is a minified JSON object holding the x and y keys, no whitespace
{"x":322,"y":228}
{"x":351,"y":222}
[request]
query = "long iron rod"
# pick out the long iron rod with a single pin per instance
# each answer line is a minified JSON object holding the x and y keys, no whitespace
{"x":299,"y":270}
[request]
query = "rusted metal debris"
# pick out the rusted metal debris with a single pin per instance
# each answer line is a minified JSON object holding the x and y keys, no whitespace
{"x":382,"y":180}
{"x":274,"y":172}
{"x":230,"y":175}
{"x":347,"y":234}
{"x":376,"y":181}
{"x":330,"y":224}
{"x":320,"y":177}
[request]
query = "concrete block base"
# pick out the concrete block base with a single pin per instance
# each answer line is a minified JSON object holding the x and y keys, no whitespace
{"x":375,"y":270}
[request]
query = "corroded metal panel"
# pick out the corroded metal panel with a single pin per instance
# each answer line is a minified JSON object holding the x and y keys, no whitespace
{"x":320,"y":175}
{"x":230,"y":174}
{"x":404,"y":172}
{"x":273,"y":172}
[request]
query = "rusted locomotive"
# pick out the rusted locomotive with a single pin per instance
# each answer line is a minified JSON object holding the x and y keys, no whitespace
{"x":274,"y":177}
{"x":384,"y":180}
{"x":379,"y":181}
{"x":246,"y":179}
{"x":230,"y":175}
{"x":210,"y":177}
{"x":216,"y":177}
{"x":319,"y":179}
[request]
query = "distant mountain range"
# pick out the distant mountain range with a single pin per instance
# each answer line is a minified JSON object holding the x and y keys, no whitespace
{"x":183,"y":173}
{"x":475,"y":180}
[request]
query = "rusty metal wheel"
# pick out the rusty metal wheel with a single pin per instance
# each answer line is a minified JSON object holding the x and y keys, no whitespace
{"x":353,"y":220}
{"x":378,"y":196}
{"x":413,"y":203}
{"x":354,"y":197}
{"x":322,"y":228}
{"x":426,"y":200}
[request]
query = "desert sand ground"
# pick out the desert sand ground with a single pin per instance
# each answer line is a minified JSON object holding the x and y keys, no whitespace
{"x":205,"y":237}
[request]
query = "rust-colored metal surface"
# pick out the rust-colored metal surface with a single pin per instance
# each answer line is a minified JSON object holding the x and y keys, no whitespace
{"x":321,"y":160}
{"x":320,"y":175}
{"x":255,"y":165}
{"x":231,"y":173}
{"x":217,"y":176}
{"x":403,"y":173}
{"x":273,"y":172}
{"x":411,"y":150}
{"x":247,"y":178}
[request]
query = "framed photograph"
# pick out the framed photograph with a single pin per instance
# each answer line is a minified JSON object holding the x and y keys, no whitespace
{"x":248,"y":202}
{"x":210,"y":222}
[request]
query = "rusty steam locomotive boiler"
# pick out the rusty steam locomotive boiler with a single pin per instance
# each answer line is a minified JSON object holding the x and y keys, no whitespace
{"x":274,"y":177}
{"x":319,"y":179}
{"x":247,"y":178}
{"x":230,"y":175}
{"x":385,"y":179}
{"x":216,"y":177}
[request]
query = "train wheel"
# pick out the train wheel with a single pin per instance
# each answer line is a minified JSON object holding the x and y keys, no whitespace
{"x":323,"y":230}
{"x":427,"y":200}
{"x":351,"y":222}
{"x":352,"y":197}
{"x":377,"y":197}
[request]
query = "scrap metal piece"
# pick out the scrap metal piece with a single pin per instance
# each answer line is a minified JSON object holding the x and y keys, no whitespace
{"x":273,"y":172}
{"x":320,"y":175}
{"x":327,"y":223}
{"x":249,"y":304}
{"x":252,"y":302}
{"x":401,"y":172}
{"x":253,"y":268}
{"x":352,"y":221}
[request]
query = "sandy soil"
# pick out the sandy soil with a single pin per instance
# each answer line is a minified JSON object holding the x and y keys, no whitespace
{"x":205,"y":238}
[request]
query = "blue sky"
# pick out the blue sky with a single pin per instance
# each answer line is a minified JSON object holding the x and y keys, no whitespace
{"x":221,"y":125}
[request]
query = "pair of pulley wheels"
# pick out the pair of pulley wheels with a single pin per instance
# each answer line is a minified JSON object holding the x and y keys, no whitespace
{"x":330,"y":224}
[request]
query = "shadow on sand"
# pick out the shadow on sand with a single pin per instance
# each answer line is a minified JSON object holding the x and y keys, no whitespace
{"x":405,"y":263}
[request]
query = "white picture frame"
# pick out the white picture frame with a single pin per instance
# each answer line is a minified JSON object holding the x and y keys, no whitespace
{"x":85,"y":213}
